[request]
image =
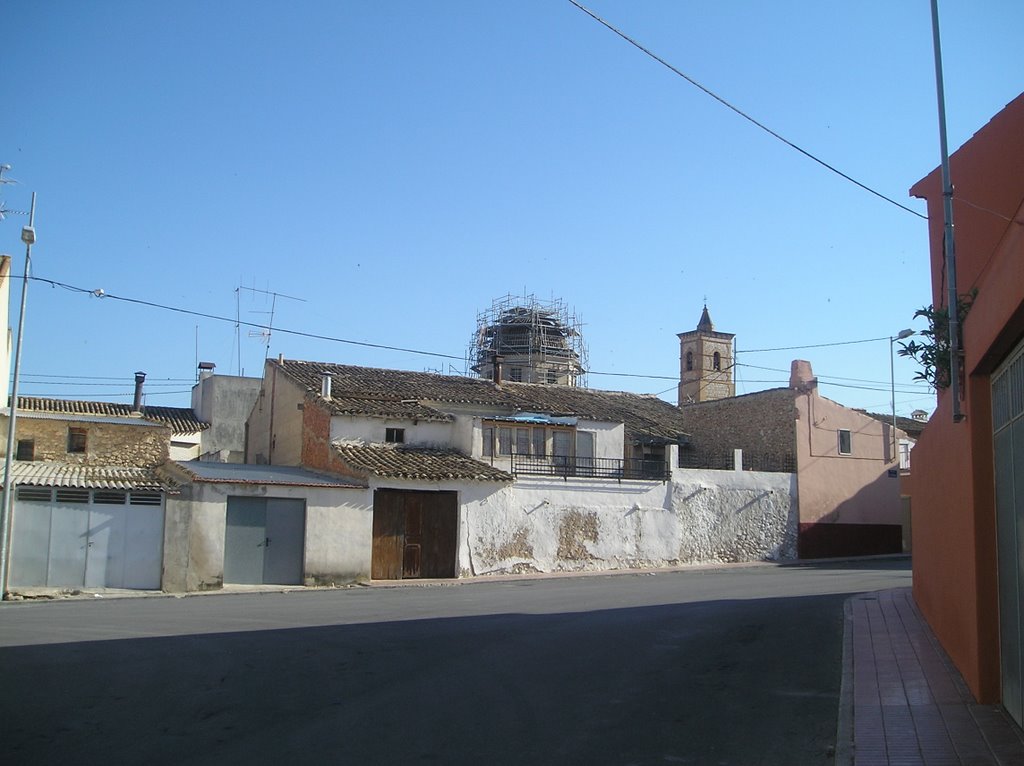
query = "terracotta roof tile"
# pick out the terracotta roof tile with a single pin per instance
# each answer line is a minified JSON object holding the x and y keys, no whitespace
{"x":181,"y":420}
{"x":398,"y":393}
{"x":387,"y":408}
{"x":397,"y":462}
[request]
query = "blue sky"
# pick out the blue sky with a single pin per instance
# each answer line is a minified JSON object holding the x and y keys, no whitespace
{"x":397,"y":165}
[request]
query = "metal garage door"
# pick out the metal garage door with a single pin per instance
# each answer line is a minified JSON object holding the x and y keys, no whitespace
{"x":70,"y":537}
{"x":1008,"y":426}
{"x":264,"y":540}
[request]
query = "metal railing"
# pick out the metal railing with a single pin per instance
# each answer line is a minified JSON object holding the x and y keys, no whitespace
{"x":722,"y":460}
{"x":591,"y":467}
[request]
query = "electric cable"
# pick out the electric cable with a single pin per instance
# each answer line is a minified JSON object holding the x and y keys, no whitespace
{"x":743,"y":114}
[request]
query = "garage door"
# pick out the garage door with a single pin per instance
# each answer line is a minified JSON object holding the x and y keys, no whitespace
{"x":1008,"y":436}
{"x":70,"y":537}
{"x":414,"y":534}
{"x":264,"y":540}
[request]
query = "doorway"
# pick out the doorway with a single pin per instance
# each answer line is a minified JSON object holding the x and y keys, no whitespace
{"x":264,"y":541}
{"x":1008,"y":448}
{"x":415,"y":534}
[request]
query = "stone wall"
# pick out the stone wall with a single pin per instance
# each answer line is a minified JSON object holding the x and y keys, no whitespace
{"x":763,"y":423}
{"x":115,"y":443}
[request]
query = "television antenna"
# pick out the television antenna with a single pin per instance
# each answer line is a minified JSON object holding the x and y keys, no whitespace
{"x":266,"y":330}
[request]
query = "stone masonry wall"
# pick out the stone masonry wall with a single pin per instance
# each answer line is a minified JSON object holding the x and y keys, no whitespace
{"x":761,"y":423}
{"x":106,"y":443}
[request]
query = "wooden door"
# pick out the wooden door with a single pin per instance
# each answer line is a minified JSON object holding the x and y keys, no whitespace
{"x":415,"y":534}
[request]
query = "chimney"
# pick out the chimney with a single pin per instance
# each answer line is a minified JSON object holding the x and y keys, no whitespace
{"x":140,"y":378}
{"x":325,"y":385}
{"x":801,"y":377}
{"x":206,"y":369}
{"x":498,"y":361}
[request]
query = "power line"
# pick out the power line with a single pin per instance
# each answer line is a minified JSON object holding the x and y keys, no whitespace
{"x":315,"y":336}
{"x":815,"y":345}
{"x":109,"y":378}
{"x":830,"y":377}
{"x":743,"y":114}
{"x":105,"y":296}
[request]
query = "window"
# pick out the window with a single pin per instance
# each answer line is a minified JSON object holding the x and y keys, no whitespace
{"x":904,"y":456}
{"x":584,"y":451}
{"x":845,"y":442}
{"x":394,"y":435}
{"x":561,"y":446}
{"x":515,"y":374}
{"x":504,"y":441}
{"x":488,"y":441}
{"x":539,"y":442}
{"x":76,"y":439}
{"x":717,"y":361}
{"x":689,"y":361}
{"x":26,"y":450}
{"x":522,"y":441}
{"x":552,"y":377}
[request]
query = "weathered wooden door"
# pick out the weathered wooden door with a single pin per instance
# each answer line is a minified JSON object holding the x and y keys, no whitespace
{"x":414,"y":534}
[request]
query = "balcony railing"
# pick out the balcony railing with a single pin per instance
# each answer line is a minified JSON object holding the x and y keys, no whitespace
{"x":591,"y":467}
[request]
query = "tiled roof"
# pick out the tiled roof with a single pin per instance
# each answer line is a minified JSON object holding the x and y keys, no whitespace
{"x":399,"y":393}
{"x":909,"y":426}
{"x":181,"y":420}
{"x":394,"y":385}
{"x":387,"y":408}
{"x":43,"y":474}
{"x":397,"y":462}
{"x":642,"y":415}
{"x":243,"y":473}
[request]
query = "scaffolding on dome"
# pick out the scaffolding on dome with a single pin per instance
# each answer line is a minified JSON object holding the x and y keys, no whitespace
{"x":534,"y":341}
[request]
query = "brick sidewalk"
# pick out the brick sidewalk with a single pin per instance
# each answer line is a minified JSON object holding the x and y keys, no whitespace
{"x":903,"y":701}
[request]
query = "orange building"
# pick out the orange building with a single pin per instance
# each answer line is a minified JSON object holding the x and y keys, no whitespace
{"x":967,"y":486}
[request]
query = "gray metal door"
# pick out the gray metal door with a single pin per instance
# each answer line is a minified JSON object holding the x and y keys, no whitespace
{"x":1008,"y":443}
{"x":264,"y":540}
{"x":75,"y":538}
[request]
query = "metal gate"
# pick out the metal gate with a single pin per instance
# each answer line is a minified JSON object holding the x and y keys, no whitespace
{"x":72,"y":537}
{"x":264,"y":540}
{"x":1008,"y":437}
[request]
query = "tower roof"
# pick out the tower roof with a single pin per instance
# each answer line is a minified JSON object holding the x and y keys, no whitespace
{"x":705,"y":324}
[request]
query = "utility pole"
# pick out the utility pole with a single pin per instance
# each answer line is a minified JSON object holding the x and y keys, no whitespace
{"x":28,"y":236}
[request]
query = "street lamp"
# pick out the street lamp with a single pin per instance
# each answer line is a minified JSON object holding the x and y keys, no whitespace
{"x":28,"y":236}
{"x":892,"y":382}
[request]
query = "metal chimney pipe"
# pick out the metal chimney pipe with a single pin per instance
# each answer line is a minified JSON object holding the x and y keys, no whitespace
{"x":140,"y":378}
{"x":325,"y":386}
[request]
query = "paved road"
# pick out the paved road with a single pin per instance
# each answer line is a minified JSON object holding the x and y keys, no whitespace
{"x":727,"y":666}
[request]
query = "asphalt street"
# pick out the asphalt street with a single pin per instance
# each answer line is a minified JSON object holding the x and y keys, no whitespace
{"x":737,"y":665}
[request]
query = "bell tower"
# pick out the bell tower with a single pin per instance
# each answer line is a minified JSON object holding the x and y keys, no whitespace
{"x":705,"y":363}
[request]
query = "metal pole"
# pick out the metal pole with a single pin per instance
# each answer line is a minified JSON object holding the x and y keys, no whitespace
{"x":949,"y":247}
{"x":892,"y":383}
{"x":5,"y":521}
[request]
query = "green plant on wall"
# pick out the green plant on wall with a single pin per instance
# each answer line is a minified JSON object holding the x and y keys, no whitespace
{"x":932,"y":353}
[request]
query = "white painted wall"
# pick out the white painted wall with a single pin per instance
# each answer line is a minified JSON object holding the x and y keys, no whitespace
{"x":552,"y":525}
{"x":339,"y":527}
{"x":372,"y":431}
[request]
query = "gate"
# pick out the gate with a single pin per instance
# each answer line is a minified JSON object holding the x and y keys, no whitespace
{"x":414,"y":534}
{"x":1008,"y":447}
